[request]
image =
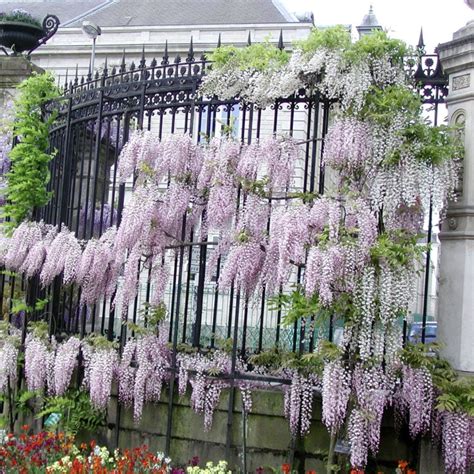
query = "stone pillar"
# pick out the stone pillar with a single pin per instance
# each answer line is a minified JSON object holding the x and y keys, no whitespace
{"x":456,"y":286}
{"x":13,"y":70}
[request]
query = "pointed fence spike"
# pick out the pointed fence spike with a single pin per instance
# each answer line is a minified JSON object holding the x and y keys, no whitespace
{"x":143,"y":61}
{"x":165,"y":59}
{"x":190,"y":57}
{"x":421,"y":41}
{"x":122,"y":65}
{"x":281,"y":45}
{"x":105,"y":72}
{"x":249,"y":40}
{"x":219,"y":41}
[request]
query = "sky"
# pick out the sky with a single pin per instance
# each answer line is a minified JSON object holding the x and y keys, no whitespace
{"x":402,"y":18}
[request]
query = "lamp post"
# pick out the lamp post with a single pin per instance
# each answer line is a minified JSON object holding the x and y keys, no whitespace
{"x":92,"y":31}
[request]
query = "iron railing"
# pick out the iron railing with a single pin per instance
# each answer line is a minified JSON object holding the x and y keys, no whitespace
{"x":95,"y":118}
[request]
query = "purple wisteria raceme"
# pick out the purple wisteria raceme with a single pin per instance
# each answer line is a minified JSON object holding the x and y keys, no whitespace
{"x":218,"y":176}
{"x":324,"y":268}
{"x":179,"y":157}
{"x":8,"y":363}
{"x":370,"y":386}
{"x":457,"y":442}
{"x":348,"y":148}
{"x":139,"y":216}
{"x":206,"y":391}
{"x":299,"y":403}
{"x":100,"y":366}
{"x":417,"y":395}
{"x":24,"y":238}
{"x":358,"y":438}
{"x":64,"y":364}
{"x":159,"y":277}
{"x":153,"y":359}
{"x":126,"y":373}
{"x":280,"y":157}
{"x":335,"y":393}
{"x":250,"y":162}
{"x":246,"y":255}
{"x":95,"y":265}
{"x":37,"y":362}
{"x":37,"y":254}
{"x":135,"y":150}
{"x":171,"y":211}
{"x":63,"y":255}
{"x":289,"y":236}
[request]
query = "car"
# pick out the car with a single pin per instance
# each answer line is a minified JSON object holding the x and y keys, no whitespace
{"x":431,"y":331}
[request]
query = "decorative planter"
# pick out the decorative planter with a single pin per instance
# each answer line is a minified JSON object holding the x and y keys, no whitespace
{"x":20,"y":37}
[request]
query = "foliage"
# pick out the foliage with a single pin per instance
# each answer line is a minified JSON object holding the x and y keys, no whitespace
{"x":455,"y":393}
{"x":39,"y":329}
{"x":29,"y":174}
{"x":381,"y":105}
{"x":100,"y":342}
{"x":337,"y":37}
{"x":377,"y":45}
{"x":75,"y":411}
{"x":396,"y":249}
{"x":257,"y":56}
{"x":438,"y":144}
{"x":20,"y":16}
{"x":19,"y":305}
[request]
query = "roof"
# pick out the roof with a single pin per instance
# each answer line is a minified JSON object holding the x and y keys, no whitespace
{"x":120,"y":13}
{"x":370,"y":20}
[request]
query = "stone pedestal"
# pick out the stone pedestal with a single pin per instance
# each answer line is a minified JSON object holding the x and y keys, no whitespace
{"x":456,"y":289}
{"x":13,"y":70}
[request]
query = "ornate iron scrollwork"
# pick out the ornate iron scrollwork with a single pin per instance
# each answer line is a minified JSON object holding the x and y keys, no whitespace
{"x":50,"y":26}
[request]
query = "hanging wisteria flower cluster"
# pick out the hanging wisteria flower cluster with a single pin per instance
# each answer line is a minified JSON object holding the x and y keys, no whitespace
{"x":204,"y":182}
{"x":9,"y":351}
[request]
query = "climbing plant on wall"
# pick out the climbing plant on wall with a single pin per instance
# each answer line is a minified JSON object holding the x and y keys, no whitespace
{"x":29,"y":174}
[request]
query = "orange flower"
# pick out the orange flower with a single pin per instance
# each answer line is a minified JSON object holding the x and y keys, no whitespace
{"x":402,"y":464}
{"x":311,"y":472}
{"x":411,"y":471}
{"x":286,"y":468}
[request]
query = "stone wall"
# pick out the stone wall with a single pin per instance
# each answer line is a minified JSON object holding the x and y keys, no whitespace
{"x":268,"y":437}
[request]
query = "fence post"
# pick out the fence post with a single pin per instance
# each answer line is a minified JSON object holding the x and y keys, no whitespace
{"x":456,"y":298}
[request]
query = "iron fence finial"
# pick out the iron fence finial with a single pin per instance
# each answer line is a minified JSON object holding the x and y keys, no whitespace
{"x":165,"y":59}
{"x":190,"y":57}
{"x":281,"y":45}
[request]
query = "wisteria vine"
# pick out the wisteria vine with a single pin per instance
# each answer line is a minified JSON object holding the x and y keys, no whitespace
{"x":355,"y":249}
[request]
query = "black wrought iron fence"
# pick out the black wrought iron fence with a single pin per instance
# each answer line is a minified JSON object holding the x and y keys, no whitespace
{"x":95,"y":118}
